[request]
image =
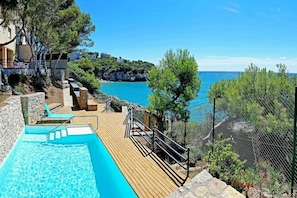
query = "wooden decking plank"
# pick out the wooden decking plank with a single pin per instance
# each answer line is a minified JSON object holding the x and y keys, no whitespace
{"x":142,"y":172}
{"x":125,"y":162}
{"x":138,"y":176}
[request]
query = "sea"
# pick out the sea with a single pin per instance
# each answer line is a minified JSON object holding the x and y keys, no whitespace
{"x":138,"y":92}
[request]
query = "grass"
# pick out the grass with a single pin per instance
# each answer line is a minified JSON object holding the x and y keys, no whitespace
{"x":52,"y":91}
{"x":20,"y":89}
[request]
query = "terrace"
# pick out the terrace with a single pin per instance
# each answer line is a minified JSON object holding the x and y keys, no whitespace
{"x":148,"y":175}
{"x":145,"y":172}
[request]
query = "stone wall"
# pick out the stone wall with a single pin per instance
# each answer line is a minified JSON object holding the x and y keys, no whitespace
{"x":18,"y":111}
{"x":11,"y":124}
{"x":204,"y":185}
{"x":33,"y":107}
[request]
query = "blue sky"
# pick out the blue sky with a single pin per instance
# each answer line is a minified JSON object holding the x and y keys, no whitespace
{"x":222,"y":35}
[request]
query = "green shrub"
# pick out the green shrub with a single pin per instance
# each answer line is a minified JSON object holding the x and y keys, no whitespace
{"x":224,"y":162}
{"x":196,"y":153}
{"x":52,"y":91}
{"x":139,"y":114}
{"x":86,"y":78}
{"x":46,"y":79}
{"x":19,"y":89}
{"x":263,"y":176}
{"x":116,"y":105}
{"x":79,"y":84}
{"x":15,"y":79}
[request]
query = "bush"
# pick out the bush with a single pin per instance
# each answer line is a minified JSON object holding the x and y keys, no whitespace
{"x":52,"y":91}
{"x":116,"y":105}
{"x":224,"y":162}
{"x":263,"y":176}
{"x":87,"y":79}
{"x":196,"y":154}
{"x":19,"y":89}
{"x":139,"y":114}
{"x":15,"y":79}
{"x":46,"y":79}
{"x":79,"y":84}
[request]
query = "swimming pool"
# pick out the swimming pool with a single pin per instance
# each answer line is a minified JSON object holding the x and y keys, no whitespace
{"x":72,"y":162}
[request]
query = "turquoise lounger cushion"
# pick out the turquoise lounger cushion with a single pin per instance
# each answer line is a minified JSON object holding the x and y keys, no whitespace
{"x":61,"y":116}
{"x":58,"y":115}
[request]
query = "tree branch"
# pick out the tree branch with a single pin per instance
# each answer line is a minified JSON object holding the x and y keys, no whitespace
{"x":12,"y":40}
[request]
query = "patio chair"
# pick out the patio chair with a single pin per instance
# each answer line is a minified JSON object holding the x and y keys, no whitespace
{"x":58,"y":115}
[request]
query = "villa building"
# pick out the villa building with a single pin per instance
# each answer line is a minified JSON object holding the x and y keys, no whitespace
{"x":104,"y":55}
{"x":16,"y":57}
{"x":18,"y":49}
{"x":7,"y":52}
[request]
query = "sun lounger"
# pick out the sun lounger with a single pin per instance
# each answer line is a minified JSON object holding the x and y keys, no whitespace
{"x":58,"y":115}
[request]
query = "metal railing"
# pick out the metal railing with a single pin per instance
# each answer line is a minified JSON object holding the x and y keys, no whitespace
{"x":60,"y":125}
{"x":107,"y":104}
{"x":168,"y":146}
{"x":86,"y":116}
{"x":146,"y":135}
{"x":7,"y":63}
{"x":157,"y":139}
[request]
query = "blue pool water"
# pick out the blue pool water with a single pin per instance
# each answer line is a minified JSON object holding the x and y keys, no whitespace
{"x":73,"y":166}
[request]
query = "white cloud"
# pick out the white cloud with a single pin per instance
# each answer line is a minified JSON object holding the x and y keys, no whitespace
{"x":240,"y":63}
{"x":231,"y":9}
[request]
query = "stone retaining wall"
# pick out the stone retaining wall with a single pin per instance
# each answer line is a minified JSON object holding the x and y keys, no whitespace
{"x":204,"y":185}
{"x":18,"y":111}
{"x":11,"y":124}
{"x":33,"y":107}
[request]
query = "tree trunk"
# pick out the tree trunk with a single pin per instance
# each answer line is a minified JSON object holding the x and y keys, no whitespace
{"x":44,"y":61}
{"x":40,"y":60}
{"x":55,"y":65}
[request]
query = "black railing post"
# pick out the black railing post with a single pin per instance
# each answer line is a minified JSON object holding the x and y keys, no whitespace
{"x":218,"y":95}
{"x":188,"y":163}
{"x":129,"y":117}
{"x":153,"y":140}
{"x":131,"y":120}
{"x":213,"y":123}
{"x":106,"y":104}
{"x":128,"y":128}
{"x":294,"y":145}
{"x":187,"y":115}
{"x":0,"y":75}
{"x":109,"y":103}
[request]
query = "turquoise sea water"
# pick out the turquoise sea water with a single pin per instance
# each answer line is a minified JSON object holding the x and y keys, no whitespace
{"x":137,"y":92}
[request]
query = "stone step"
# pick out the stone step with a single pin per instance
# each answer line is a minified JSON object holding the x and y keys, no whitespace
{"x":64,"y":133}
{"x":52,"y":136}
{"x":57,"y":134}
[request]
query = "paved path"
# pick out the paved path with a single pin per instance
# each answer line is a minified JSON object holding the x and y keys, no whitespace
{"x":67,"y":97}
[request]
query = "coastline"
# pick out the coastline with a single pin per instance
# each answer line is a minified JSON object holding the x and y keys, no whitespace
{"x":138,"y":92}
{"x":104,"y":81}
{"x":127,"y":103}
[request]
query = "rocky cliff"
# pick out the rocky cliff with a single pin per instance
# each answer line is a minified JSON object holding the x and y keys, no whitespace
{"x":123,"y":76}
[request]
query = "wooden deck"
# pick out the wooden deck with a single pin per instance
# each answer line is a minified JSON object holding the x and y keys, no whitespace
{"x":143,"y":172}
